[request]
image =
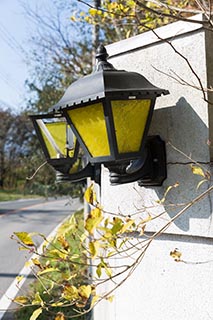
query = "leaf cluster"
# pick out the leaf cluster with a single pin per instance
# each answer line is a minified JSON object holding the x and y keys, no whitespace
{"x":122,"y":19}
{"x":88,"y":252}
{"x":61,"y":286}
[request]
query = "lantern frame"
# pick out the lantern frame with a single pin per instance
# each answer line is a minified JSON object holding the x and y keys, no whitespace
{"x":114,"y":155}
{"x":63,"y":165}
{"x":104,"y":86}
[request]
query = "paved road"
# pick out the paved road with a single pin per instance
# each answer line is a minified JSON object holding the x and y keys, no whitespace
{"x":31,"y":216}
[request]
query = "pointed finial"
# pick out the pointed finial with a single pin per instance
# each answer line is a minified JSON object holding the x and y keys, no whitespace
{"x":101,"y":56}
{"x":101,"y":53}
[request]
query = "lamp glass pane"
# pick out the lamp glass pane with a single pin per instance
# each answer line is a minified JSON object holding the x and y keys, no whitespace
{"x":58,"y":138}
{"x":130,"y":117}
{"x":90,"y":123}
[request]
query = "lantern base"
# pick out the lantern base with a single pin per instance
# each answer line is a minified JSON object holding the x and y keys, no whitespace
{"x":62,"y":165}
{"x":150,"y":170}
{"x":90,"y":171}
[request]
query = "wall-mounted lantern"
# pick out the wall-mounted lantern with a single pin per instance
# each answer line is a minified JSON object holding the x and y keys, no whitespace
{"x":61,"y":148}
{"x":110,"y":112}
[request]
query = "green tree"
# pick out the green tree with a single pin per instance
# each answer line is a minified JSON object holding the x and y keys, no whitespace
{"x":6,"y":120}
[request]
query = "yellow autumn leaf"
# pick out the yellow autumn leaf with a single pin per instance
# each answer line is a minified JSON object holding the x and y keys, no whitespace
{"x":94,"y":219}
{"x":37,"y":263}
{"x":94,"y":248}
{"x":90,"y":195}
{"x":94,"y":300}
{"x":47,"y":270}
{"x":36,"y":314}
{"x":99,"y":270}
{"x":37,"y":300}
{"x":107,"y":269}
{"x":57,"y":304}
{"x":22,"y":300}
{"x":167,"y":191}
{"x":99,"y":12}
{"x":176,"y":254}
{"x":197,"y":170}
{"x":63,"y":242}
{"x":59,"y":316}
{"x":87,"y":19}
{"x":131,"y":3}
{"x":93,"y":11}
{"x":126,"y":226}
{"x":19,"y":278}
{"x":85,"y":291}
{"x":70,"y":293}
{"x":113,"y":5}
{"x":117,"y":225}
{"x":128,"y":34}
{"x":25,"y":238}
{"x":55,"y":253}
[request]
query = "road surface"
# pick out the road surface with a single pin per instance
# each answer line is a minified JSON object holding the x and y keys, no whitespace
{"x":31,"y":216}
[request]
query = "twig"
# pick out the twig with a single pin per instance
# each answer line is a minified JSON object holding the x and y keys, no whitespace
{"x":30,"y":178}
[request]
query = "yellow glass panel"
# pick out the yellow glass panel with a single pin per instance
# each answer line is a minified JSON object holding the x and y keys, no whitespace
{"x":76,"y":166}
{"x":55,"y":138}
{"x":130,"y":118}
{"x":90,"y":124}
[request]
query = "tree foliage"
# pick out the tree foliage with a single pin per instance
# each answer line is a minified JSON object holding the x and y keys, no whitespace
{"x":122,"y":19}
{"x":15,"y":139}
{"x":6,"y":119}
{"x":61,"y":272}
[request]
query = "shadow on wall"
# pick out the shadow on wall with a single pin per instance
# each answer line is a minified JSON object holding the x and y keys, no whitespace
{"x":186,"y":136}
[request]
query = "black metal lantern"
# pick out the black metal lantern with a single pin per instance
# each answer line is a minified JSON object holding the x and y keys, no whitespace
{"x":110,"y":113}
{"x":61,"y":148}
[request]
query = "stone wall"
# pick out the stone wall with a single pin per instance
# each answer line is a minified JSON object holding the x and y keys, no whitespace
{"x":177,"y":57}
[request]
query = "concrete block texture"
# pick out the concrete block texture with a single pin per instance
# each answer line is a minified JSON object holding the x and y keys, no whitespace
{"x":161,"y":288}
{"x":183,"y":199}
{"x":181,"y":117}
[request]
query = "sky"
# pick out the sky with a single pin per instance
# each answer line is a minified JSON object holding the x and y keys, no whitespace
{"x":13,"y":42}
{"x":15,"y":30}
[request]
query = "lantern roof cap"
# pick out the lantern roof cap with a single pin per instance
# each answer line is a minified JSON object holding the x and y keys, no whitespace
{"x":106,"y":81}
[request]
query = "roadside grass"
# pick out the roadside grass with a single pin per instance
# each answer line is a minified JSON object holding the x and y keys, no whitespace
{"x":65,"y":258}
{"x":9,"y":195}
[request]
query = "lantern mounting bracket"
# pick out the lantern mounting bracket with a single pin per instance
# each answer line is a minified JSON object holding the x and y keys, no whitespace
{"x":152,"y":171}
{"x":92,"y":171}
